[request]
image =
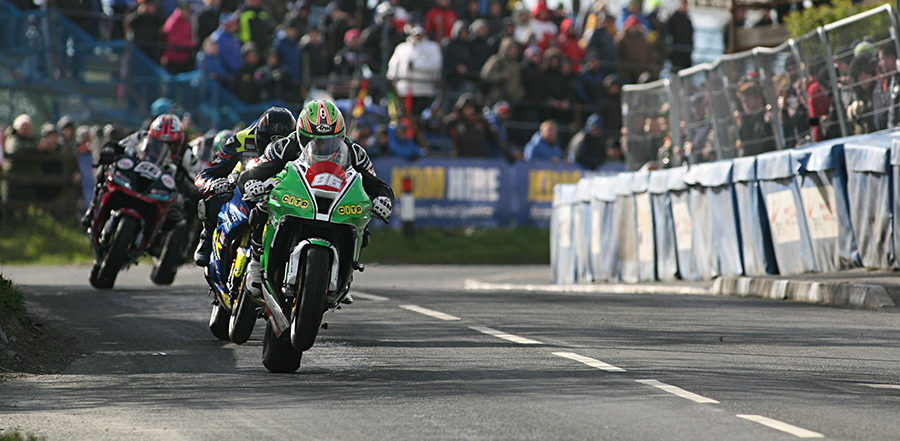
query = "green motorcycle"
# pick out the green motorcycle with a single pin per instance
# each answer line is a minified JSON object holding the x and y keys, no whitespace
{"x":311,"y":244}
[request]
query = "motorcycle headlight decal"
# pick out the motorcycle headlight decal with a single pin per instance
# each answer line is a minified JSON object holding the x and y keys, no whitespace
{"x":125,"y":164}
{"x":168,"y":182}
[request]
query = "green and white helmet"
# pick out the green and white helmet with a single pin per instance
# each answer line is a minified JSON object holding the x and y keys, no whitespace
{"x":319,"y":119}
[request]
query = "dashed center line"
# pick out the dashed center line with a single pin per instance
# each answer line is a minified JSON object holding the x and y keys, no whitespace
{"x":367,"y":296}
{"x":429,"y":312}
{"x":881,"y":386}
{"x":799,"y":432}
{"x":674,"y":390}
{"x":589,"y":361}
{"x":505,"y":336}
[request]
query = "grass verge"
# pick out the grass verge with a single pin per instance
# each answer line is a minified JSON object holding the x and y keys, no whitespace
{"x":469,"y":246}
{"x":16,"y":436}
{"x":11,"y":300}
{"x":38,"y":239}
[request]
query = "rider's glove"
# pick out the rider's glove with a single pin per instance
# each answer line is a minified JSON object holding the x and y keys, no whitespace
{"x":255,"y":189}
{"x":381,"y":206}
{"x":220,"y":186}
{"x":107,"y":154}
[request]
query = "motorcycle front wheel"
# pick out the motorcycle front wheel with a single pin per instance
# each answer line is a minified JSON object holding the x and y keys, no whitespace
{"x":104,"y":273}
{"x":218,"y":320}
{"x":243,"y":317}
{"x":307,"y":317}
{"x":164,"y":270}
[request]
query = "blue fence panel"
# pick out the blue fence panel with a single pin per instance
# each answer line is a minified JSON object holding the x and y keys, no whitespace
{"x":701,"y":221}
{"x":869,"y":193}
{"x":562,"y":250}
{"x":624,"y":215}
{"x":895,"y":198}
{"x":646,"y":245}
{"x":725,"y":239}
{"x":663,"y":225}
{"x":581,"y":224}
{"x":821,"y":178}
{"x":781,"y":195}
{"x":682,"y":220}
{"x":756,"y":240}
{"x":604,"y":230}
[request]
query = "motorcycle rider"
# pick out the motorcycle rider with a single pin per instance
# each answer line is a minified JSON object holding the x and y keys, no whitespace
{"x":167,"y":131}
{"x":213,"y":183}
{"x":320,"y":135}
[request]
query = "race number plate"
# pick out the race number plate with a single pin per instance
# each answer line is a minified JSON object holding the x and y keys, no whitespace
{"x":148,"y":170}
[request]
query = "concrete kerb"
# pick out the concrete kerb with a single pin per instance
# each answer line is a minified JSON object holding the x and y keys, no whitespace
{"x":860,"y":295}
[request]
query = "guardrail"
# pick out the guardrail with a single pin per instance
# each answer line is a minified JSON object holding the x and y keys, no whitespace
{"x":826,"y":206}
{"x":43,"y":180}
{"x":829,"y":83}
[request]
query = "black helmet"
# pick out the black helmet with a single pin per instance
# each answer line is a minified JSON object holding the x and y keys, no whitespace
{"x":275,"y":123}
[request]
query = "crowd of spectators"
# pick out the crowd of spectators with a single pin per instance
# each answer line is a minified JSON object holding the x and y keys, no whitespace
{"x":440,"y":58}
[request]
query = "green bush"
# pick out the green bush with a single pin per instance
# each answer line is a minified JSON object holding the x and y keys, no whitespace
{"x":800,"y":23}
{"x":10,"y":297}
{"x":16,"y":436}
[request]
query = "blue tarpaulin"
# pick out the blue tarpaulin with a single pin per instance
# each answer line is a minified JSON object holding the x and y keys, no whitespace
{"x":683,"y":222}
{"x":821,"y":179}
{"x":581,"y":229}
{"x":725,"y":239}
{"x":646,"y":245}
{"x":869,"y":193}
{"x":701,"y":221}
{"x":626,"y":241}
{"x":562,"y":250}
{"x":756,"y":241}
{"x":663,"y":225}
{"x":790,"y":236}
{"x":604,"y":233}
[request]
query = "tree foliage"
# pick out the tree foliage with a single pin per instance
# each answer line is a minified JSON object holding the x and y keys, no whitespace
{"x":799,"y":23}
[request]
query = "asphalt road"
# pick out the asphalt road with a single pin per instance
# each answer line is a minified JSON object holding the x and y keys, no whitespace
{"x":417,"y":357}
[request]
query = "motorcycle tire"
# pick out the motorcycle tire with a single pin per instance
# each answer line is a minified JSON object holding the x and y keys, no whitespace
{"x":307,"y":318}
{"x":278,"y":355}
{"x":172,"y":256}
{"x":243,"y":318}
{"x":108,"y":268}
{"x":218,"y":321}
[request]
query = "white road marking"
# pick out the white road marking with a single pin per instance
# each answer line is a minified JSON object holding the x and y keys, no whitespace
{"x":476,"y":285}
{"x":799,"y":432}
{"x":881,"y":386}
{"x":505,"y":336}
{"x":678,"y":391}
{"x":429,"y":312}
{"x":367,"y":296}
{"x":594,"y":363}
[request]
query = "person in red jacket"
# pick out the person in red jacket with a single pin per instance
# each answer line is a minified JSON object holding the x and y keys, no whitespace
{"x":567,"y":42}
{"x":179,"y":41}
{"x":439,"y":21}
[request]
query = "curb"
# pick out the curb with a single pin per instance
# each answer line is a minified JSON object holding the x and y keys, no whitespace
{"x":859,"y":295}
{"x":601,"y":288}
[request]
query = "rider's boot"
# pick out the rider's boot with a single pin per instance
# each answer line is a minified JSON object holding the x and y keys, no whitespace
{"x":254,"y":271}
{"x":204,"y":248}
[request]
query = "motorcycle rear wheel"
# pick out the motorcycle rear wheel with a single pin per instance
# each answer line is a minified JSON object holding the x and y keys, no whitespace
{"x":163,"y":272}
{"x":243,"y":317}
{"x":307,"y":316}
{"x":218,"y":321}
{"x":278,"y":355}
{"x":103,"y":276}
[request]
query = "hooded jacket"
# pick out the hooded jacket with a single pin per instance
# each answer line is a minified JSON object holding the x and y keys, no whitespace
{"x":502,"y":75}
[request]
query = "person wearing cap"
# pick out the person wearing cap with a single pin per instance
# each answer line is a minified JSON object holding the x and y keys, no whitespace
{"x":588,"y":146}
{"x":755,"y":134}
{"x":498,"y":117}
{"x":415,"y":69}
{"x":229,"y":46}
{"x":542,"y":26}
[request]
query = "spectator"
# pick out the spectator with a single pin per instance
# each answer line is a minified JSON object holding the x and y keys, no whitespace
{"x":615,"y":157}
{"x":471,"y":11}
{"x":469,"y":131}
{"x":335,"y":24}
{"x":602,"y":43}
{"x":377,"y":47}
{"x":755,"y":134}
{"x":543,"y":28}
{"x":481,"y":46}
{"x":378,"y":144}
{"x":143,"y":28}
{"x":794,"y":114}
{"x":255,"y":25}
{"x":459,"y":69}
{"x":588,"y":147}
{"x":298,"y":18}
{"x":543,"y":145}
{"x":439,"y":21}
{"x":863,"y":74}
{"x":634,"y":52}
{"x":229,"y":46}
{"x":290,"y":55}
{"x":179,"y":43}
{"x":316,"y":58}
{"x":245,"y":86}
{"x":19,"y":140}
{"x":209,"y":62}
{"x":680,"y":31}
{"x":523,"y":34}
{"x":415,"y":69}
{"x":567,"y":42}
{"x":557,"y":82}
{"x":401,"y":141}
{"x":610,"y":107}
{"x":49,"y":141}
{"x":501,"y":75}
{"x":821,"y":111}
{"x":66,"y":127}
{"x":589,"y":85}
{"x":205,"y":21}
{"x":886,"y":98}
{"x":498,"y":117}
{"x":507,"y":30}
{"x":632,"y":9}
{"x":497,"y":19}
{"x":273,"y":80}
{"x":700,"y":145}
{"x":351,"y":58}
{"x":85,"y":159}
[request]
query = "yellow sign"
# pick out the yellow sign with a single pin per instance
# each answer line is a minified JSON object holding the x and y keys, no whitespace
{"x":295,"y":201}
{"x":347,"y":210}
{"x":427,"y":182}
{"x":541,"y":182}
